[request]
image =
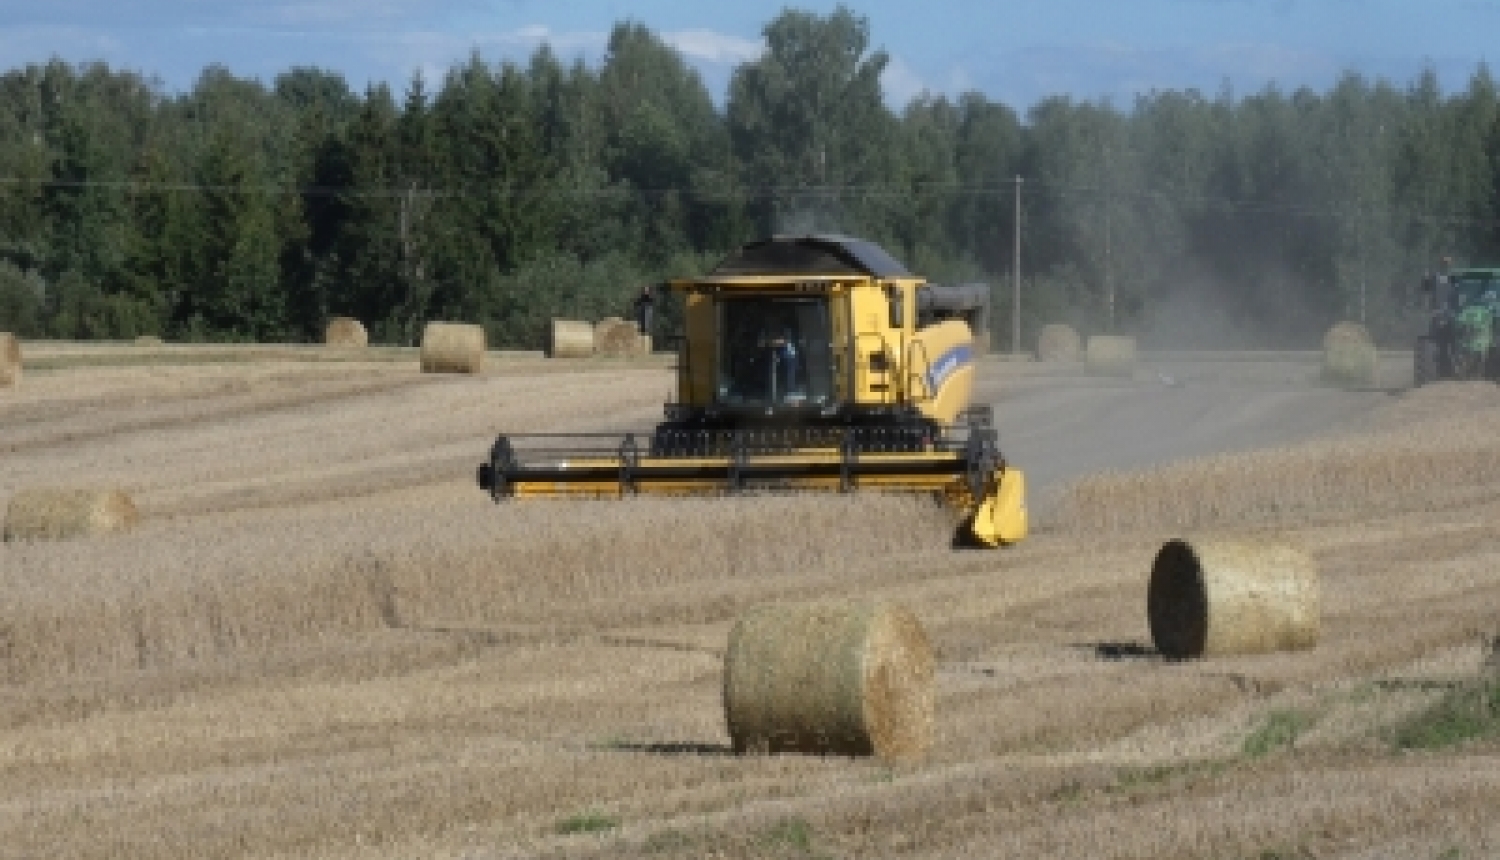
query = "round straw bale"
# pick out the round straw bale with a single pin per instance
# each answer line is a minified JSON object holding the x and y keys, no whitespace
{"x":616,"y":337}
{"x":829,"y":678}
{"x":571,"y":339}
{"x":10,"y":360}
{"x":147,"y":340}
{"x":46,"y":513}
{"x":449,"y":347}
{"x":1058,"y":342}
{"x":345,"y":331}
{"x":1110,"y":355}
{"x":1231,"y":597}
{"x":1349,"y":355}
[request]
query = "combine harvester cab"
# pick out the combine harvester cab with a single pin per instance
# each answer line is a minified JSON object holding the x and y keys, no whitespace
{"x":808,"y":363}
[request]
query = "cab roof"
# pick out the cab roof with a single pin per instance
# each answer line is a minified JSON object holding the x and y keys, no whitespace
{"x":817,"y":254}
{"x":1488,"y":273}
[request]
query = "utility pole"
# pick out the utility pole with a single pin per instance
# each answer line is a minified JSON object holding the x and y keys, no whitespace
{"x":1109,"y":275}
{"x":1015,"y":293}
{"x":410,"y":263}
{"x":1359,"y":227}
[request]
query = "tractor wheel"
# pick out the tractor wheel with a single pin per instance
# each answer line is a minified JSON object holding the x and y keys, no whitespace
{"x":1425,"y":361}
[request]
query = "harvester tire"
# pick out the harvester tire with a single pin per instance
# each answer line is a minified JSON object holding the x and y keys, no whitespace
{"x":1425,"y":362}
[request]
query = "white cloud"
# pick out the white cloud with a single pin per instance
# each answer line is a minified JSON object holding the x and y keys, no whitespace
{"x":38,"y":44}
{"x":901,"y":83}
{"x":435,"y":53}
{"x":535,"y":35}
{"x":712,"y":47}
{"x":317,"y":13}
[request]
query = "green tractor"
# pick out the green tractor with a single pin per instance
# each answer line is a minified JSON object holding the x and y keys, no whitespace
{"x":1461,"y":341}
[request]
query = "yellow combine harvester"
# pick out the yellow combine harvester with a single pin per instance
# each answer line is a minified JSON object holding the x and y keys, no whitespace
{"x":809,"y":363}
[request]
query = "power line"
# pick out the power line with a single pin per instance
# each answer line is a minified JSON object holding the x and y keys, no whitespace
{"x":1035,"y":189}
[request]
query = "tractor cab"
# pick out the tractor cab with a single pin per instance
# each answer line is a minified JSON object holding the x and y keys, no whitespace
{"x":1461,"y":339}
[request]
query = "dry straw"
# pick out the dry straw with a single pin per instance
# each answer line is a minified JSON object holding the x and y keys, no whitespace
{"x":1059,"y":342}
{"x":1110,"y":355}
{"x":1220,"y":597}
{"x":345,"y":331}
{"x":1354,"y":476}
{"x":617,"y":337}
{"x":1349,"y":356}
{"x":449,"y":347}
{"x":829,"y":678}
{"x":571,"y":339}
{"x":148,"y":340}
{"x":10,"y":360}
{"x":56,"y":514}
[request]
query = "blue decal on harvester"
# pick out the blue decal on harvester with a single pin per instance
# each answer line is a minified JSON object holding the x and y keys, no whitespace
{"x":946,"y":365}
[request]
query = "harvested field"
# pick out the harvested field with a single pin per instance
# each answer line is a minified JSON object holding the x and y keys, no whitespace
{"x":322,"y":640}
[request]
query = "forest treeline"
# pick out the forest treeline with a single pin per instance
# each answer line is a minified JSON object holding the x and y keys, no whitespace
{"x":509,"y":193}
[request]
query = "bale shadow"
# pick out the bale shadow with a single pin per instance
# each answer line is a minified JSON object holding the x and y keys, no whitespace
{"x":1119,"y":651}
{"x":674,"y":748}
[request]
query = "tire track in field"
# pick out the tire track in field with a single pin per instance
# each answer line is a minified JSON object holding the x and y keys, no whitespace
{"x":210,"y":410}
{"x":441,"y":456}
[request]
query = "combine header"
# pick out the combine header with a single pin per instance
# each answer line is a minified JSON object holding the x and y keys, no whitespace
{"x":809,"y":363}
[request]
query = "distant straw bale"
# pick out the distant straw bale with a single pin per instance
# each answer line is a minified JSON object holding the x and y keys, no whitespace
{"x":1110,"y":355}
{"x":843,"y":679}
{"x":345,"y":331}
{"x":571,"y":339}
{"x":618,"y":338}
{"x":57,"y":514}
{"x":449,"y":347}
{"x":1221,"y":597}
{"x":1349,"y":355}
{"x":1059,"y":342}
{"x":10,"y":360}
{"x":147,"y":340}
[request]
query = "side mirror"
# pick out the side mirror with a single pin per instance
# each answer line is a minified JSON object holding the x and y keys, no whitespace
{"x":896,"y":298}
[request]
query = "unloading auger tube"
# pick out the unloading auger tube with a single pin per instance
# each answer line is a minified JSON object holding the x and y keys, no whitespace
{"x":963,"y":469}
{"x":805,"y":364}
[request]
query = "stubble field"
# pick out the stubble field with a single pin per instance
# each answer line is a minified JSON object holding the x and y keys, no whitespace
{"x":324,"y":641}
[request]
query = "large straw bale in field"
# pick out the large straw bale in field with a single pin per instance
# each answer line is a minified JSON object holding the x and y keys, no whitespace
{"x":620,"y":338}
{"x":55,"y":514}
{"x":449,"y":347}
{"x":147,"y":340}
{"x":830,"y":678}
{"x":1110,"y":355}
{"x":1349,"y":355}
{"x":345,"y":331}
{"x":1218,"y":597}
{"x":10,"y":360}
{"x":571,"y":339}
{"x":1059,"y":342}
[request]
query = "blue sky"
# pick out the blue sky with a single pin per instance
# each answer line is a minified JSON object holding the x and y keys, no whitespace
{"x":1016,"y":51}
